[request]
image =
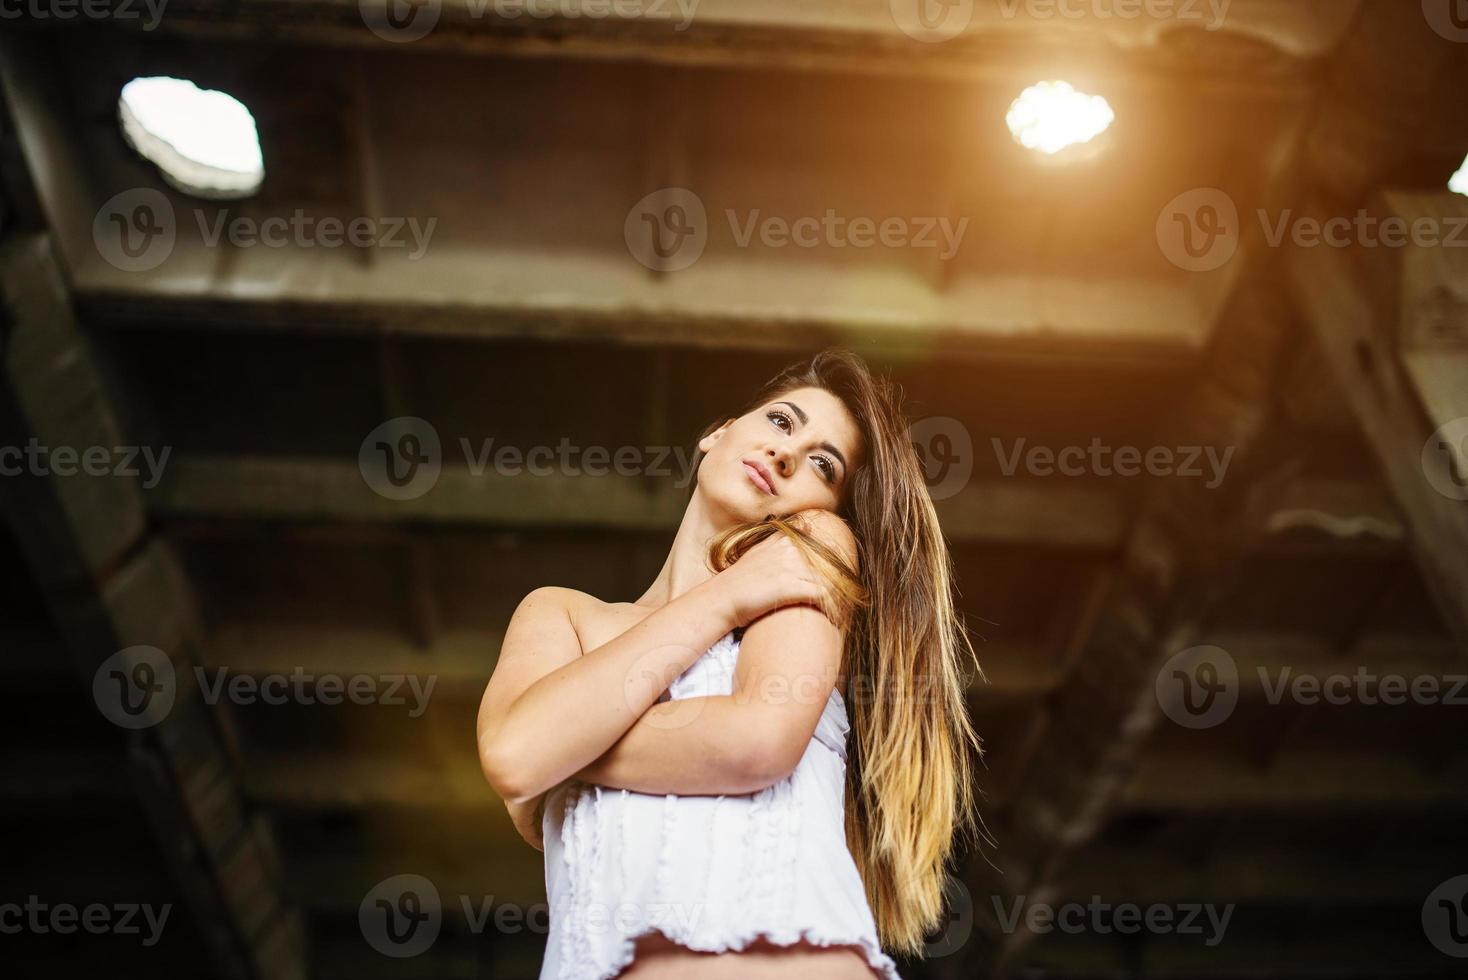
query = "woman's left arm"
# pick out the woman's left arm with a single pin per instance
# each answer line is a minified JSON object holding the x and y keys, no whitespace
{"x":744,"y":741}
{"x":739,"y":742}
{"x":526,"y":816}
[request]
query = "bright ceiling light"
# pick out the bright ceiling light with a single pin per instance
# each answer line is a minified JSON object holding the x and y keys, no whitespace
{"x":1050,"y":116}
{"x":1459,"y":181}
{"x":203,"y":141}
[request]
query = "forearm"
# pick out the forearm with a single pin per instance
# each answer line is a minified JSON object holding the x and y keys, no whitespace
{"x":571,"y":716}
{"x":526,"y":816}
{"x":691,"y":746}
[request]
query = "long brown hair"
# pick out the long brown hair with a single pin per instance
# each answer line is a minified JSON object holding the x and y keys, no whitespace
{"x":910,"y":790}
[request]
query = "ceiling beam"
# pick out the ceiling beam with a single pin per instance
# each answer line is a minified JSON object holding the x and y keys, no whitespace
{"x":981,"y":41}
{"x":461,"y":660}
{"x":253,"y":488}
{"x":1359,"y":332}
{"x":109,"y":586}
{"x":1181,"y":555}
{"x":322,"y":781}
{"x":716,"y":304}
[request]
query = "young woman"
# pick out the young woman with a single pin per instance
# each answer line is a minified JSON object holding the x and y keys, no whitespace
{"x":768,"y":755}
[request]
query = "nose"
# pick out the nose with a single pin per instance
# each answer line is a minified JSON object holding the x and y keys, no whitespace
{"x":780,"y":461}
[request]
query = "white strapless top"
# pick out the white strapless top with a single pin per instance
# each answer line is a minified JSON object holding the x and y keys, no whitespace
{"x":712,"y":873}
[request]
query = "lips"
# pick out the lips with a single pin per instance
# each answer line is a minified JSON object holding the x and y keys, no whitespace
{"x":760,"y":477}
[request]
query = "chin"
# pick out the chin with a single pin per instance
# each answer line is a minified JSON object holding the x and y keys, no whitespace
{"x":745,"y":504}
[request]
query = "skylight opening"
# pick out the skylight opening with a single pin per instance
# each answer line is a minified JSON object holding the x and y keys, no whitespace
{"x":203,"y":141}
{"x":1050,"y":116}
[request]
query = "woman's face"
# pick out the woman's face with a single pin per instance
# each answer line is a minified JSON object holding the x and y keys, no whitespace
{"x":806,"y":443}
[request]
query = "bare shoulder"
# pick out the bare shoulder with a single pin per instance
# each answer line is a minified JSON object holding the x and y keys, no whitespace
{"x":549,"y":598}
{"x":593,"y":620}
{"x":828,"y":528}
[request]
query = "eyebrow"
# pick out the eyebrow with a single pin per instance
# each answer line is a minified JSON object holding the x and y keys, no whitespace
{"x":825,"y":445}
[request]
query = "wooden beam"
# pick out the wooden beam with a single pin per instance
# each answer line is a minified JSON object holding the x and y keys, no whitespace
{"x":998,"y":511}
{"x":716,"y":304}
{"x":1179,"y":559}
{"x":110,"y":586}
{"x":461,"y":660}
{"x":983,"y":42}
{"x":327,"y":781}
{"x":1323,"y":783}
{"x":1359,"y":339}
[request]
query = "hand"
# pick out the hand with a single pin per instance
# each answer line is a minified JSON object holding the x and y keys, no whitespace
{"x":526,"y":817}
{"x":772,"y":574}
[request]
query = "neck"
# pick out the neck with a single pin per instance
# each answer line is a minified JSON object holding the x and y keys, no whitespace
{"x":687,"y":563}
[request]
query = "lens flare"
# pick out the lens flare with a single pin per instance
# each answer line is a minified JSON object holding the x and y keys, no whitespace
{"x":1050,"y":116}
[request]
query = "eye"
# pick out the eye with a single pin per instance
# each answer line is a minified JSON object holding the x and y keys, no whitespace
{"x":827,"y":467}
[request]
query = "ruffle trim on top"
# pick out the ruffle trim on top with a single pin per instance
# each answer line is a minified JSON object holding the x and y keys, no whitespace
{"x":882,"y":964}
{"x":664,"y":876}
